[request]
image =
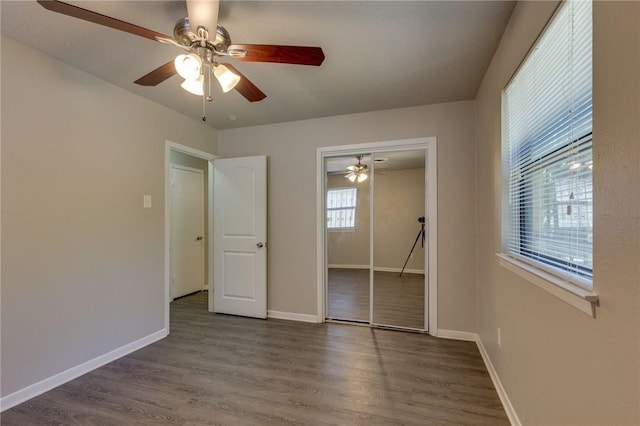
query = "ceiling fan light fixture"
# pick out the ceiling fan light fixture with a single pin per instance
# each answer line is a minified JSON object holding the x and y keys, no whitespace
{"x":226,"y":78}
{"x":188,"y":66}
{"x":195,"y":86}
{"x":358,"y":171}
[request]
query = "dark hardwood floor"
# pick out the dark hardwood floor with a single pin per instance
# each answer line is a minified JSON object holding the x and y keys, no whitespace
{"x":218,"y":369}
{"x":397,"y":301}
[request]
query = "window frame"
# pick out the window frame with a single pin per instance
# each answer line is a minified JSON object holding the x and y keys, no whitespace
{"x":573,"y":288}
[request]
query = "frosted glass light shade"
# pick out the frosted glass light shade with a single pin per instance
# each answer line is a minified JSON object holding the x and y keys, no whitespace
{"x":194,"y":86}
{"x":226,"y":78}
{"x":359,"y":176}
{"x":188,"y":66}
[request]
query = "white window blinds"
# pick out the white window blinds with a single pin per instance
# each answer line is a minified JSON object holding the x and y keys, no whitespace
{"x":547,"y":125}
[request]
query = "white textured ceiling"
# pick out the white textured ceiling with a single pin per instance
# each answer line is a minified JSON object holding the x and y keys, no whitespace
{"x":379,"y":54}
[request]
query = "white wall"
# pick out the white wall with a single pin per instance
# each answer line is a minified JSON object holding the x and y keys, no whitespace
{"x":558,"y":365}
{"x":291,"y":148}
{"x":82,"y":261}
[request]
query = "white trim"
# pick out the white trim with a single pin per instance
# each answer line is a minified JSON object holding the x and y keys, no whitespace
{"x":168,"y":147}
{"x":49,"y":383}
{"x":398,"y":270}
{"x":292,"y":316}
{"x":456,"y":335}
{"x":431,"y":227}
{"x":321,"y":251}
{"x":576,"y":296}
{"x":502,"y":393}
{"x":372,"y":235}
{"x":375,"y":268}
{"x":187,"y":169}
{"x":346,"y":266}
{"x":429,"y":144}
{"x":210,"y":268}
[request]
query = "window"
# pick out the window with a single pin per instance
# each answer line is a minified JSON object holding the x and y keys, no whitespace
{"x":547,"y":157}
{"x":341,"y":208}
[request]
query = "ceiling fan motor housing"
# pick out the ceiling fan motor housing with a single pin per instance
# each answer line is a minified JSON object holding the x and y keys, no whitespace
{"x":184,"y":35}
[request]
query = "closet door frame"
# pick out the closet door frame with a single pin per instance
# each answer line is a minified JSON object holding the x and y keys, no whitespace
{"x":428,"y":144}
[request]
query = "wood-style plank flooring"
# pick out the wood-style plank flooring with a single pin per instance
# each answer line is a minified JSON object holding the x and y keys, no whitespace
{"x":397,"y":301}
{"x":218,"y":369}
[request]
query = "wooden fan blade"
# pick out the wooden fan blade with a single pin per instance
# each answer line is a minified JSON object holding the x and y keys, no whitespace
{"x":299,"y":55}
{"x":97,"y":18}
{"x":245,"y":87}
{"x":158,"y":75}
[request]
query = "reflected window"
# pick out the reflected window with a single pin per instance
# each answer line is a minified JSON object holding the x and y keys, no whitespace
{"x":341,"y":208}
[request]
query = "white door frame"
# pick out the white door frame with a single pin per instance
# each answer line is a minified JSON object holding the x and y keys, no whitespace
{"x":168,"y":147}
{"x":431,"y":209}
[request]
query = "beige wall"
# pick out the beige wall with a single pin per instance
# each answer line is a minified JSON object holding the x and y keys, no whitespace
{"x":558,"y":365}
{"x":399,"y":201}
{"x":291,"y":148}
{"x":82,"y":261}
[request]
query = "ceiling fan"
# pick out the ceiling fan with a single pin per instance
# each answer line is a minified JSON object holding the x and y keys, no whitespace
{"x":357,"y":171}
{"x":203,"y":49}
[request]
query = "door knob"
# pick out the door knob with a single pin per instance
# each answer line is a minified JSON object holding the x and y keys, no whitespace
{"x":259,"y":245}
{"x":198,"y":238}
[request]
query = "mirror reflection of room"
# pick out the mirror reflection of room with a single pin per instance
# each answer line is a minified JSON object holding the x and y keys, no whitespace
{"x":385,"y":200}
{"x":348,"y":237}
{"x":399,"y":239}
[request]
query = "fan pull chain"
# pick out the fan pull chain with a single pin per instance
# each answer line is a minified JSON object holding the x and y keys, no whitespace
{"x":206,"y":97}
{"x":204,"y":116}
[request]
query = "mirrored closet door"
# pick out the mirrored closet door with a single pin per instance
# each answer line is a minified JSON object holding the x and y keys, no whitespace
{"x":375,"y":238}
{"x":348,"y":237}
{"x":399,"y":238}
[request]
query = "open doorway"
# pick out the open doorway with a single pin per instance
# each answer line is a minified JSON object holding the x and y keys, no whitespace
{"x":188,"y":177}
{"x":378,"y":234}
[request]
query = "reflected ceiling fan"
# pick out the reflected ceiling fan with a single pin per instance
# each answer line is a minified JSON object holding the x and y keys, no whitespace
{"x":203,"y":49}
{"x":357,"y":172}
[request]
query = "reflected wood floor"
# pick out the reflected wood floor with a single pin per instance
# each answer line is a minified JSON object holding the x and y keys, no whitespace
{"x":397,"y":301}
{"x":218,"y":369}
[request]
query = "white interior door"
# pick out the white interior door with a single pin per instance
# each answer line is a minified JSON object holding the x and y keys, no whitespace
{"x":240,"y":236}
{"x":187,"y":230}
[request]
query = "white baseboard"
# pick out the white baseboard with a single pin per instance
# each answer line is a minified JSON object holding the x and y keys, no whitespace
{"x":49,"y":383}
{"x":376,"y":268}
{"x":504,"y":398}
{"x":457,"y":335}
{"x":397,"y":270}
{"x":502,"y":394}
{"x":292,"y":316}
{"x":341,"y":266}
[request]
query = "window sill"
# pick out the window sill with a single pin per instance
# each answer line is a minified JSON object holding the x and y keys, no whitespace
{"x":578,"y":297}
